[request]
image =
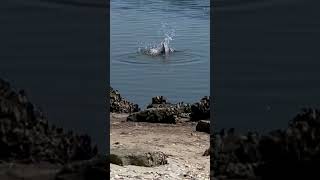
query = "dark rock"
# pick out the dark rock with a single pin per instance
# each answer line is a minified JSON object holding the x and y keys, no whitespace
{"x":235,"y":155}
{"x":120,"y":105}
{"x":25,"y":134}
{"x":154,"y":115}
{"x":201,"y":110}
{"x":181,"y":110}
{"x":159,"y":100}
{"x":203,"y":126}
{"x":293,"y":153}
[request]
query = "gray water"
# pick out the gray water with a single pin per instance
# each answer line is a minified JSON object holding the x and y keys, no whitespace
{"x":55,"y":50}
{"x":266,"y":61}
{"x":182,"y":76}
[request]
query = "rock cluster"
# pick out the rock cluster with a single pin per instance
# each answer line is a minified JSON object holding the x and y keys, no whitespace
{"x":290,"y":153}
{"x":119,"y":105}
{"x":201,"y":110}
{"x":161,"y":111}
{"x":235,"y":156}
{"x":154,"y":115}
{"x":25,"y":134}
{"x":159,"y":100}
{"x":181,"y":110}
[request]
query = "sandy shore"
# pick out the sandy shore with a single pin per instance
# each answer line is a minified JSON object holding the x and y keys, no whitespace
{"x":183,"y":145}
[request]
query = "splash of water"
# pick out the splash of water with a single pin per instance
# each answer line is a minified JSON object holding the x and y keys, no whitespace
{"x":167,"y":33}
{"x":145,"y":47}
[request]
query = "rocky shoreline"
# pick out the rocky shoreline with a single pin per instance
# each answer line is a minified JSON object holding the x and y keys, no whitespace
{"x":27,"y":141}
{"x":291,"y":153}
{"x":163,"y":141}
{"x":160,"y":110}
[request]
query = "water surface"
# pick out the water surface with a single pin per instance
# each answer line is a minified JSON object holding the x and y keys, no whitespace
{"x":182,"y":76}
{"x":55,"y":50}
{"x":266,"y":61}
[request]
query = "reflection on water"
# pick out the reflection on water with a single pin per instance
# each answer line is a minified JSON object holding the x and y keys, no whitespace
{"x":184,"y":26}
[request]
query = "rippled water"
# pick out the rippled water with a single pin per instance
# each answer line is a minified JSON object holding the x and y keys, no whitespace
{"x":182,"y":76}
